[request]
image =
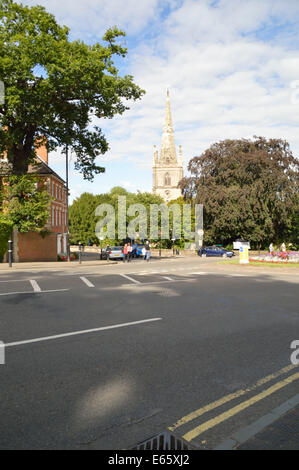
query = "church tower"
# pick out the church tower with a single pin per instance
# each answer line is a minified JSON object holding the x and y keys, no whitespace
{"x":168,"y":169}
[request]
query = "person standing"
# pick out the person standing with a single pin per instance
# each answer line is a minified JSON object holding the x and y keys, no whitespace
{"x":148,"y":251}
{"x":283,"y":247}
{"x":271,"y":248}
{"x":125,"y":253}
{"x":129,"y":250}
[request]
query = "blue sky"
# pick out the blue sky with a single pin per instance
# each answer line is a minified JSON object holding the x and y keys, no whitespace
{"x":232,"y":67}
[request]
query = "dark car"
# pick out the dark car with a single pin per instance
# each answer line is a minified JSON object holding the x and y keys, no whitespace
{"x":215,"y":251}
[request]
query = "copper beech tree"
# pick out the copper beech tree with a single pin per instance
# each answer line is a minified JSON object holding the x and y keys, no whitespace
{"x":248,"y":187}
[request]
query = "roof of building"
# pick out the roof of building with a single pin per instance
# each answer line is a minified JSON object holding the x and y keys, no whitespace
{"x":41,"y":168}
{"x":38,"y":168}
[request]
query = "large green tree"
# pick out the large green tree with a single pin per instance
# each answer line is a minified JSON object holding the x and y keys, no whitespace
{"x":248,"y":189}
{"x":54,"y":87}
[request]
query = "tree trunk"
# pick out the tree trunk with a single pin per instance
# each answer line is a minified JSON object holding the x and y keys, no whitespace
{"x":19,"y":162}
{"x":21,"y":153}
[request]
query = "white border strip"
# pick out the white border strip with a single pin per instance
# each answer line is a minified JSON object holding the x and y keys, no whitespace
{"x":87,"y":282}
{"x":130,"y":279}
{"x":39,"y":292}
{"x":75,"y":333}
{"x":35,"y":285}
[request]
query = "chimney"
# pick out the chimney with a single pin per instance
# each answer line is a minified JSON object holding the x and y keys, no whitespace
{"x":42,"y":152}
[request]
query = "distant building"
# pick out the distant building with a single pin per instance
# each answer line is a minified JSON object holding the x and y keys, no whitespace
{"x":167,"y":170}
{"x":31,"y":246}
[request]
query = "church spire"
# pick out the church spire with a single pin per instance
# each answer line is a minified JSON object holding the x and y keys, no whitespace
{"x":168,"y":152}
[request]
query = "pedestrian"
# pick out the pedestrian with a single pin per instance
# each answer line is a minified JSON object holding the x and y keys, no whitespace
{"x":271,"y":248}
{"x":283,"y":247}
{"x":144,"y":253}
{"x":148,"y":251}
{"x":125,"y":250}
{"x":107,"y":252}
{"x":130,"y":251}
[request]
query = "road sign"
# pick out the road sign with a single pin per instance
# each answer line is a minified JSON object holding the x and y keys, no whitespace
{"x":244,"y":259}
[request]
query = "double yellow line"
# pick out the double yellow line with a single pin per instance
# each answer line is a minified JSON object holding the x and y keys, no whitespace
{"x":236,"y":409}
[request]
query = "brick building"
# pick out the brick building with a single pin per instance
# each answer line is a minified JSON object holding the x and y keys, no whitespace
{"x":31,"y":246}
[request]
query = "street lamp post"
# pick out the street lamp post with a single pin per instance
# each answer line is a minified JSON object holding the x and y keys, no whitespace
{"x":160,"y":243}
{"x":101,"y":239}
{"x":67,"y":203}
{"x":10,"y":253}
{"x":173,"y":250}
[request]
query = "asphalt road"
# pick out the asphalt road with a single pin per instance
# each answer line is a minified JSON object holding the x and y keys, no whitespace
{"x":105,"y":357}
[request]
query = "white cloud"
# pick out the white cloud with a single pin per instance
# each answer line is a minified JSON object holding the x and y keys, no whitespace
{"x":91,"y":18}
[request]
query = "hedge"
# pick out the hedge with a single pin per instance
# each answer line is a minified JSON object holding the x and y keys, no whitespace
{"x":5,"y":233}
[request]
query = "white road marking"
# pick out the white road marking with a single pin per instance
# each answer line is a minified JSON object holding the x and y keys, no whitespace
{"x":201,"y":273}
{"x":130,"y":279}
{"x":35,"y":292}
{"x":167,"y":278}
{"x":87,"y":282}
{"x":35,"y":285}
{"x":82,"y":332}
{"x":236,"y":275}
{"x":160,"y":282}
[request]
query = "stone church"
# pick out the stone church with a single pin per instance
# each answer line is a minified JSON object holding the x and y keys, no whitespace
{"x":168,"y":169}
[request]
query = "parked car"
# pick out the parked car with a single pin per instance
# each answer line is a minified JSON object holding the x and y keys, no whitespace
{"x":137,"y":250}
{"x":215,"y":251}
{"x":116,"y":252}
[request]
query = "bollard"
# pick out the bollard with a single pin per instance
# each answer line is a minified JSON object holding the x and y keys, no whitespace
{"x":80,"y":253}
{"x":10,"y":253}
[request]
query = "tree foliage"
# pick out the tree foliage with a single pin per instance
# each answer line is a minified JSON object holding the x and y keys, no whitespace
{"x":5,"y":232}
{"x":54,"y":87}
{"x":25,"y":203}
{"x":248,"y":188}
{"x":82,"y":213}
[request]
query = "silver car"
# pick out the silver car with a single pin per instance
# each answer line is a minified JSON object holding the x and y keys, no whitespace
{"x":116,"y":252}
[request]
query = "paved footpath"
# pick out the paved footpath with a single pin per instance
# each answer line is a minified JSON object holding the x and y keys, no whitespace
{"x":282,"y":434}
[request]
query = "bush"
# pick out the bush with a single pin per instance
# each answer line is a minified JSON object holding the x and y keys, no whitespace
{"x":5,"y":232}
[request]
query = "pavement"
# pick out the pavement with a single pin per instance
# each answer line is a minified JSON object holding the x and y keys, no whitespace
{"x":106,"y":356}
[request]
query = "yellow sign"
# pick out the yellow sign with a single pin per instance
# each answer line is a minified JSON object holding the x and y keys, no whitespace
{"x":244,"y":259}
